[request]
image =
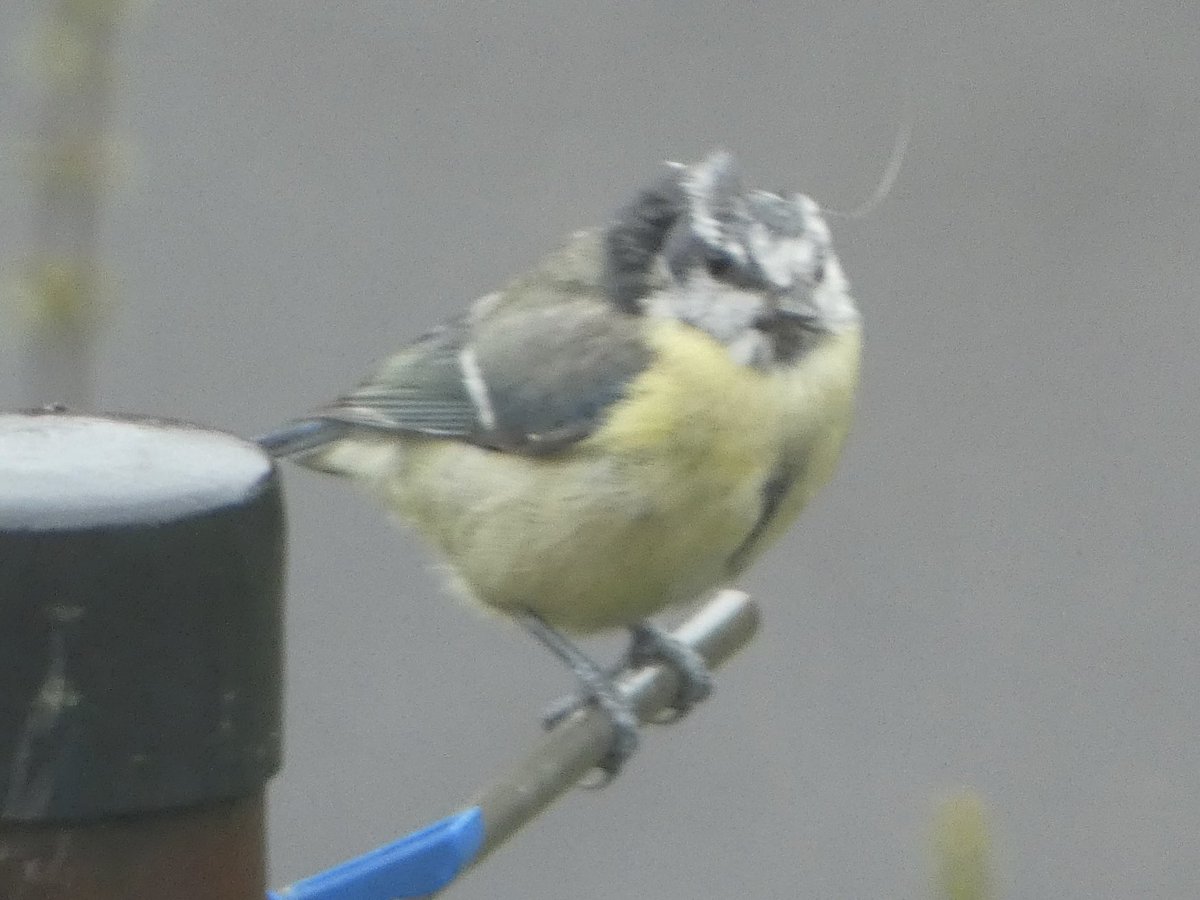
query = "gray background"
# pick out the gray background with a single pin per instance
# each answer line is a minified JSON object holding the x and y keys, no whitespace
{"x":999,"y":590}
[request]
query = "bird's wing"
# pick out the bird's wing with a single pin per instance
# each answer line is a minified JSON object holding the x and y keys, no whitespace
{"x":525,"y":378}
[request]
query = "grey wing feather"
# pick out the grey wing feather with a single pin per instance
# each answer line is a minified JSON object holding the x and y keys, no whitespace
{"x":420,"y":390}
{"x":526,"y":380}
{"x":531,"y":370}
{"x":552,"y":371}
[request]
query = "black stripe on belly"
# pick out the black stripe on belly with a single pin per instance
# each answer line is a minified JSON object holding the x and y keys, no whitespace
{"x":774,"y":489}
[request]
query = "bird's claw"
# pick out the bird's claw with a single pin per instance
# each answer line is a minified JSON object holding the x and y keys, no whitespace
{"x":624,"y":721}
{"x":598,"y":686}
{"x":651,"y":645}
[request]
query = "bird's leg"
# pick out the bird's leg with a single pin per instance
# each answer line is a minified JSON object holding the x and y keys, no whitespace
{"x":597,"y":687}
{"x":651,"y":645}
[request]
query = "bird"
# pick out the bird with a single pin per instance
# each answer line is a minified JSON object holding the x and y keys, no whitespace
{"x":623,"y":428}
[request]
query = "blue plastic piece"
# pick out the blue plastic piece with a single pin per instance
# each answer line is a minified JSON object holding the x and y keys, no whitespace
{"x":414,"y":866}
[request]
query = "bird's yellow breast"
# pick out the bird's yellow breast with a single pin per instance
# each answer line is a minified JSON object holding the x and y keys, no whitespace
{"x":652,"y":507}
{"x":696,"y":411}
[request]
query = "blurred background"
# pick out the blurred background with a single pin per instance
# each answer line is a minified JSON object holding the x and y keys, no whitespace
{"x":998,"y":591}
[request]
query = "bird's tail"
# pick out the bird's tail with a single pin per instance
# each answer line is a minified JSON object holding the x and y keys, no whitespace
{"x":301,"y":437}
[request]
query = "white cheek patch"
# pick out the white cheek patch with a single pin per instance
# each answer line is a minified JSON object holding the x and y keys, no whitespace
{"x":752,"y":349}
{"x":725,"y":312}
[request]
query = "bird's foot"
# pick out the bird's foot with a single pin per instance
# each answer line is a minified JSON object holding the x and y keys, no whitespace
{"x":566,"y":706}
{"x":597,"y":688}
{"x":652,"y":645}
{"x":608,"y":699}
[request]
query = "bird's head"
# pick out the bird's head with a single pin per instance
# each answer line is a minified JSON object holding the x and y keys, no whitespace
{"x":739,"y":264}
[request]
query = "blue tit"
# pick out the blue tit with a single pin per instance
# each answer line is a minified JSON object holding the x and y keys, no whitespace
{"x":625,"y":427}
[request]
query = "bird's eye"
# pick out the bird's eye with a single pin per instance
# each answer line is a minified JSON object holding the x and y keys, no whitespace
{"x":718,"y":264}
